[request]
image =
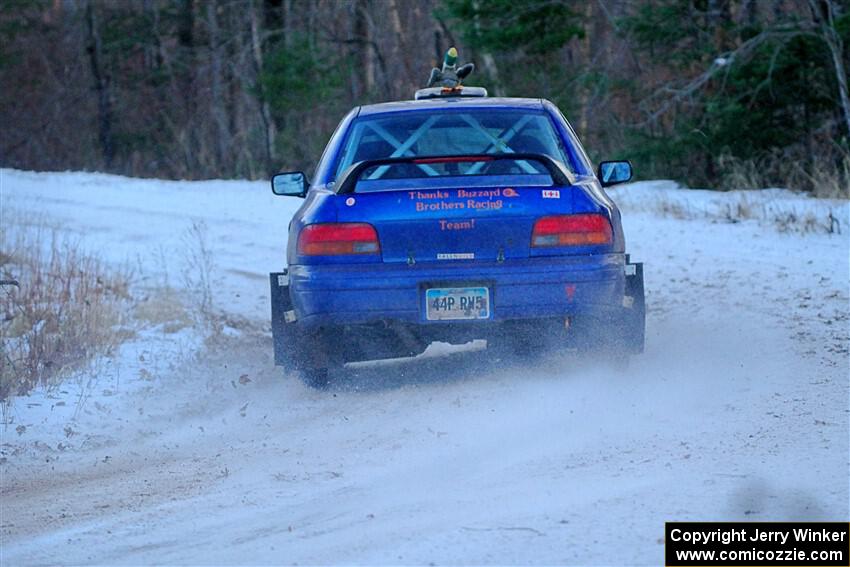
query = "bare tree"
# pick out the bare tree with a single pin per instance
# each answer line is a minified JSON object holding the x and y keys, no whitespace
{"x":218,"y":107}
{"x":101,"y":87}
{"x":265,"y":111}
{"x":823,"y":17}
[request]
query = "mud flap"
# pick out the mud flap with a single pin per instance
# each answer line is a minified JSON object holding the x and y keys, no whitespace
{"x":295,"y":348}
{"x":634,"y":304}
{"x":281,"y":305}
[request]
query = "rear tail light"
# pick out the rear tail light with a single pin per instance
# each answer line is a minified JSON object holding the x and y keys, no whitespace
{"x":572,"y":230}
{"x":335,"y":239}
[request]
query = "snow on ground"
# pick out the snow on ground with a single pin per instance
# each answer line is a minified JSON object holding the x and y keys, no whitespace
{"x":206,"y":453}
{"x":783,"y":209}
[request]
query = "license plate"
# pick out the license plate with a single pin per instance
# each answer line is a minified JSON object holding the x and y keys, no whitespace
{"x":453,"y":303}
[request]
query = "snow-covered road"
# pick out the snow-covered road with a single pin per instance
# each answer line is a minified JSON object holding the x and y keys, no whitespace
{"x":737,"y":410}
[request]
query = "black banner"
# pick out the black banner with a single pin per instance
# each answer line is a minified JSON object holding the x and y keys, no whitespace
{"x":763,"y":544}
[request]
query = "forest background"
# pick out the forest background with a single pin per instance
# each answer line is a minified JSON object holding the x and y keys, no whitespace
{"x":726,"y":94}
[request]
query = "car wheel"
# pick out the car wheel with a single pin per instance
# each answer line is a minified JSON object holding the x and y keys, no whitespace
{"x":522,"y":342}
{"x":317,"y":378}
{"x":319,"y":356}
{"x":618,"y":361}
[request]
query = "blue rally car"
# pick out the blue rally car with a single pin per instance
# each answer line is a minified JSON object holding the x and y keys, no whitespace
{"x":453,"y":217}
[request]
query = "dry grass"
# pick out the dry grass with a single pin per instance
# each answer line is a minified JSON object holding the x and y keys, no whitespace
{"x":826,"y":177}
{"x":163,"y":308}
{"x":780,"y":209}
{"x":68,"y":309}
{"x":832,"y":182}
{"x":198,"y":268}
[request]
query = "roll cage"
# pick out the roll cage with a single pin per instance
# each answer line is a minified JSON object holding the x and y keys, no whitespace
{"x":347,"y":182}
{"x":499,"y":144}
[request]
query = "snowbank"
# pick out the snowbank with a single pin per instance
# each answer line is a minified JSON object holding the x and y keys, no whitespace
{"x":783,"y":209}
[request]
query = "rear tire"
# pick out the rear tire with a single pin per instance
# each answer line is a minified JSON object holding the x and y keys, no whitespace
{"x":296,"y":348}
{"x":606,"y":340}
{"x":521,"y":341}
{"x":318,"y":355}
{"x":316,"y":378}
{"x":619,"y":333}
{"x":618,"y":361}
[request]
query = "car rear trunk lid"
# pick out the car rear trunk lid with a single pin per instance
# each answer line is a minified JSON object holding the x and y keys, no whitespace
{"x":455,"y":224}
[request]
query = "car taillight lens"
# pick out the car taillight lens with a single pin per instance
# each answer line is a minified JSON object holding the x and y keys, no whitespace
{"x":334,"y":239}
{"x":572,"y":230}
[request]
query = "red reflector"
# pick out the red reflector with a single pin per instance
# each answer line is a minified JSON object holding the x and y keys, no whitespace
{"x":333,"y":239}
{"x":572,"y":230}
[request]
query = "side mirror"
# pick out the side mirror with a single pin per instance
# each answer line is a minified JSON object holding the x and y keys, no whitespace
{"x":613,"y":172}
{"x":290,"y":184}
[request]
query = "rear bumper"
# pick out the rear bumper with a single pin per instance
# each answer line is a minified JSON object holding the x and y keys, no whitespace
{"x":533,"y":288}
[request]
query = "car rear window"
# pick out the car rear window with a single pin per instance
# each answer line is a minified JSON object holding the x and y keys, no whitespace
{"x":449,"y":133}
